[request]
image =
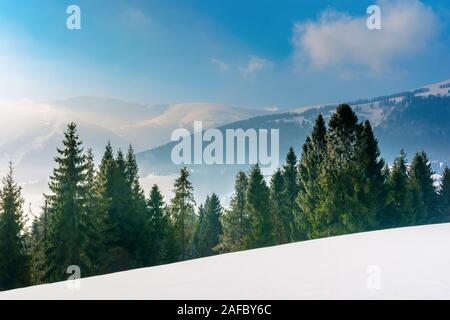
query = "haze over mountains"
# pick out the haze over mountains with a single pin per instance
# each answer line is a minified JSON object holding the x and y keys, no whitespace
{"x":30,"y":132}
{"x":415,"y":120}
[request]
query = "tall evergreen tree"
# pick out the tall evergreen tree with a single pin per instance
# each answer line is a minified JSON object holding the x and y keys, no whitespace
{"x":126,"y":227}
{"x":68,"y":235}
{"x":369,"y":179}
{"x":339,"y":210}
{"x":125,"y":215}
{"x":258,"y":207}
{"x":423,"y":191}
{"x":199,"y":240}
{"x":183,"y":213}
{"x":96,"y":209}
{"x":214,"y":228}
{"x":209,"y":228}
{"x":236,"y":221}
{"x":139,"y":223}
{"x":309,"y":168}
{"x":36,"y":249}
{"x":107,"y":172}
{"x":444,"y":196}
{"x":160,"y":230}
{"x":399,"y":210}
{"x":14,"y":259}
{"x":277,"y":208}
{"x":290,"y":192}
{"x":116,"y":257}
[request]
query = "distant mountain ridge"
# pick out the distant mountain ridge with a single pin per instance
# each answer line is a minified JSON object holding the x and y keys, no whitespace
{"x":409,"y":120}
{"x":31,"y":131}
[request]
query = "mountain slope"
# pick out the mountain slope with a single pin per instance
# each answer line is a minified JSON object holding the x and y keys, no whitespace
{"x":405,"y":263}
{"x":406,"y":120}
{"x":31,"y":131}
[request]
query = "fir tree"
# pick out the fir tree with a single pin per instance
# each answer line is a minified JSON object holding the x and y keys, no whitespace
{"x":14,"y":260}
{"x":339,"y":209}
{"x":214,"y":229}
{"x":125,"y":220}
{"x":107,"y":172}
{"x":290,"y":192}
{"x":139,"y":223}
{"x":36,"y":249}
{"x":399,"y":211}
{"x":183,"y":213}
{"x":281,"y":235}
{"x":124,"y":214}
{"x":115,"y":254}
{"x":235,"y":221}
{"x":160,"y":229}
{"x":423,"y":191}
{"x":309,"y":168}
{"x":199,"y":241}
{"x":258,"y":208}
{"x":369,"y":179}
{"x":96,"y":209}
{"x":68,"y":234}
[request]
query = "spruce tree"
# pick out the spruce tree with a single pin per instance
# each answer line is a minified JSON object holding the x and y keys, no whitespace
{"x":183,"y":214}
{"x":125,"y":223}
{"x":281,"y":235}
{"x":290,"y":192}
{"x":160,"y":229}
{"x":116,"y":257}
{"x":258,"y":208}
{"x":424,"y":194}
{"x":68,"y":235}
{"x":339,"y":209}
{"x":399,"y":211}
{"x":107,"y":172}
{"x":199,"y":241}
{"x":14,"y":259}
{"x":444,"y":196}
{"x":36,"y":249}
{"x":96,"y":209}
{"x":125,"y":215}
{"x":132,"y":173}
{"x":369,"y":179}
{"x":309,"y":168}
{"x":139,"y":223}
{"x":214,"y":229}
{"x":235,"y":221}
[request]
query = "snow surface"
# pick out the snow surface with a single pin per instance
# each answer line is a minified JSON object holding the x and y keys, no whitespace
{"x":405,"y":263}
{"x":436,"y":89}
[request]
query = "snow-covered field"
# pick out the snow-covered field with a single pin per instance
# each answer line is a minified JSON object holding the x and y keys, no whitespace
{"x":406,"y":263}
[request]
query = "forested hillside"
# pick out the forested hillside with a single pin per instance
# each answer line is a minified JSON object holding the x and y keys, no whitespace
{"x":99,"y":219}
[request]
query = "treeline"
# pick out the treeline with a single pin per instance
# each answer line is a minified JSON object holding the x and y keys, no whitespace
{"x":100,"y":219}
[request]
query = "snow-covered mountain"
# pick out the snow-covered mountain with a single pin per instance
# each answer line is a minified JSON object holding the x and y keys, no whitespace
{"x":436,"y":89}
{"x":31,"y":131}
{"x":407,"y":120}
{"x":404,"y":263}
{"x":157,"y":130}
{"x":148,"y":126}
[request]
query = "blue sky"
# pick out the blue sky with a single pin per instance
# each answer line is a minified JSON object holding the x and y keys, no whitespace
{"x":258,"y":54}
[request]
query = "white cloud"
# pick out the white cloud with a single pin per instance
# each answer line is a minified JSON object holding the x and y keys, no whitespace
{"x":255,"y":65}
{"x":220,"y":64}
{"x":339,"y":39}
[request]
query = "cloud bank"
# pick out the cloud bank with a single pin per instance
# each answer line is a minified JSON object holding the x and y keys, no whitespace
{"x":338,"y":39}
